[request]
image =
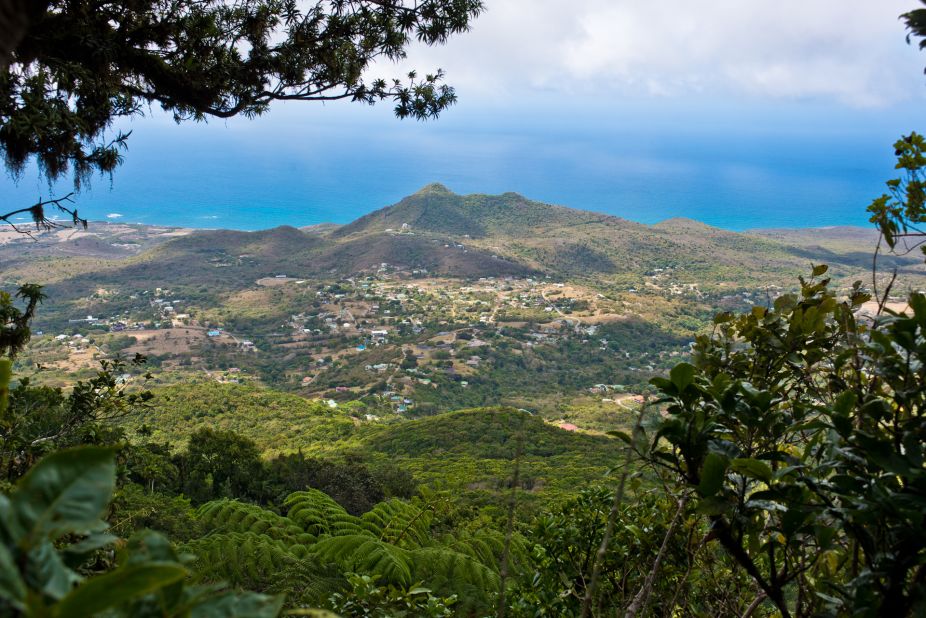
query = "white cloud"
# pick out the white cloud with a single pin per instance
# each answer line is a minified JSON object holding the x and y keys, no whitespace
{"x":849,"y":51}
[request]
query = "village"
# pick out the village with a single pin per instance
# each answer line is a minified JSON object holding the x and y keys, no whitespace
{"x":402,"y":338}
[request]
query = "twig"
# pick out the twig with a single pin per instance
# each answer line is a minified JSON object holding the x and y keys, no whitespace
{"x":754,"y":605}
{"x":42,"y":222}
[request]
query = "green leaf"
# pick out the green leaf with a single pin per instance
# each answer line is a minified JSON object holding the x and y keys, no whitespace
{"x":662,"y":384}
{"x":819,"y":269}
{"x":66,"y":492}
{"x":46,"y":571}
{"x":752,"y":468}
{"x":241,"y":605}
{"x":712,"y":474}
{"x":621,"y":435}
{"x":713,"y":506}
{"x":76,"y":554}
{"x":12,"y":587}
{"x":118,"y":587}
{"x":682,"y":375}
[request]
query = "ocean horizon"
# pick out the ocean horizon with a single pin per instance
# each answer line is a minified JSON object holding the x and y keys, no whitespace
{"x":336,"y":165}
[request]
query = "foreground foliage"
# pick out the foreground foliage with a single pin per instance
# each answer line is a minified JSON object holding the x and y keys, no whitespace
{"x":51,"y":564}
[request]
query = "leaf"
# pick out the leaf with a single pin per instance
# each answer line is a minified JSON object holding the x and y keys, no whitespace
{"x":662,"y":384}
{"x":66,"y":492}
{"x":74,"y":555}
{"x":712,"y":474}
{"x":752,"y":468}
{"x":12,"y":587}
{"x":621,"y":435}
{"x":682,"y":375}
{"x":819,"y":269}
{"x":118,"y":587}
{"x":242,"y":605}
{"x":713,"y":506}
{"x":46,"y":571}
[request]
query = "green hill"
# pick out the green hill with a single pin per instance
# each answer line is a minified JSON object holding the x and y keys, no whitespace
{"x":465,"y":449}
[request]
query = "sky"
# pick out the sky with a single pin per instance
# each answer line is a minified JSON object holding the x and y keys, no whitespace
{"x":735,"y":106}
{"x":847,"y":52}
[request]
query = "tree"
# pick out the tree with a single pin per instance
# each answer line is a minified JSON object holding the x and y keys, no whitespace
{"x":220,"y":464}
{"x":76,"y":67}
{"x":799,"y":430}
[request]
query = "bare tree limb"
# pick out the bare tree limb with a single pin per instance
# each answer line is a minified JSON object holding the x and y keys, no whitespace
{"x":40,"y":217}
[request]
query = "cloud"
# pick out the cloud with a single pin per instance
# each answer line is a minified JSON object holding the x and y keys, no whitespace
{"x":114,"y":215}
{"x":848,"y":51}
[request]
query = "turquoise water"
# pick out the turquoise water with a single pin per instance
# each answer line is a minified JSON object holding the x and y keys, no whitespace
{"x":302,"y":167}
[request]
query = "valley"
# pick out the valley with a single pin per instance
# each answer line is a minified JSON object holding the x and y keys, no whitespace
{"x":437,"y":303}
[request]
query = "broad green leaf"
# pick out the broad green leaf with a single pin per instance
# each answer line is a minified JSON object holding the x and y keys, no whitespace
{"x":712,"y":474}
{"x":819,"y":269}
{"x":419,"y":590}
{"x":74,"y":555}
{"x":752,"y":468}
{"x":46,"y":572}
{"x":240,"y":605}
{"x":621,"y":435}
{"x":118,"y":587}
{"x":662,"y":384}
{"x":66,"y":492}
{"x":682,"y":375}
{"x":12,"y":587}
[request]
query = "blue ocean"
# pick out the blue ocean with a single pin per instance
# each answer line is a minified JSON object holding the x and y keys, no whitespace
{"x":800,"y":166}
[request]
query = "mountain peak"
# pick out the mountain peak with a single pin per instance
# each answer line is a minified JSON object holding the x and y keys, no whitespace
{"x":434,"y":187}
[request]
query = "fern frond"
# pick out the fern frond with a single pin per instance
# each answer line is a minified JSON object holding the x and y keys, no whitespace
{"x":243,"y":558}
{"x":398,"y":522}
{"x":234,"y":516}
{"x":318,"y":514}
{"x":362,"y":553}
{"x":450,"y":572}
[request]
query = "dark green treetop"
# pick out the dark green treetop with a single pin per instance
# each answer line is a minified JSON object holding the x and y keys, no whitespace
{"x":81,"y":65}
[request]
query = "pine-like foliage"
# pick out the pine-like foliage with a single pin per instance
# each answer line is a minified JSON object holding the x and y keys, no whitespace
{"x":310,"y":550}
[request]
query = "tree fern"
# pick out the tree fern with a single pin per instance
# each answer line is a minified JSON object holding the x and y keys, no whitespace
{"x":234,"y":516}
{"x":487,"y":545}
{"x":316,"y":513}
{"x":242,"y":558}
{"x":398,"y":522}
{"x":309,"y":551}
{"x":451,"y":572}
{"x":363,"y":553}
